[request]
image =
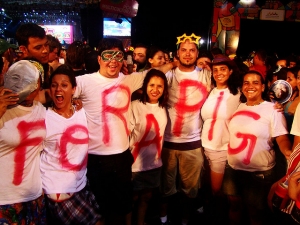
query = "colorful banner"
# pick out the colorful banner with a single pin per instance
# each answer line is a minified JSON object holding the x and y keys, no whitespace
{"x":127,"y":8}
{"x":272,"y":14}
{"x":248,"y":9}
{"x":225,"y":27}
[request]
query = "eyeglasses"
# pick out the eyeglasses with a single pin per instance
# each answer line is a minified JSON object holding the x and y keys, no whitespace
{"x":109,"y":55}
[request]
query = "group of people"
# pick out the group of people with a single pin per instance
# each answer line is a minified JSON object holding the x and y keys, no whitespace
{"x":87,"y":146}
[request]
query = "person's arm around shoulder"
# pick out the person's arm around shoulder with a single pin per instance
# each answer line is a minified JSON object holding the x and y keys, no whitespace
{"x":168,"y":66}
{"x":7,"y":98}
{"x":279,"y":107}
{"x":285,"y":145}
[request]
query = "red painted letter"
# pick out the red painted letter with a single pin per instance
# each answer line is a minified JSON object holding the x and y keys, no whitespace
{"x":157,"y":139}
{"x":114,"y":110}
{"x":181,"y":106}
{"x":25,"y":129}
{"x":245,"y":137}
{"x":211,"y":129}
{"x":68,"y":138}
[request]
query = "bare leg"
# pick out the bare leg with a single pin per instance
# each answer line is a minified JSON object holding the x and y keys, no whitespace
{"x":163,"y":206}
{"x":235,"y":210}
{"x":216,"y":181}
{"x":144,"y":198}
{"x":128,"y":218}
{"x":100,"y":222}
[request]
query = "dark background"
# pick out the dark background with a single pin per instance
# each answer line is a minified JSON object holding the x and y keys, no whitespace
{"x":159,"y":22}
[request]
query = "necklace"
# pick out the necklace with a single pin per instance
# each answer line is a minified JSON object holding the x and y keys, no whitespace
{"x":254,"y":103}
{"x":66,"y":115}
{"x":26,"y":104}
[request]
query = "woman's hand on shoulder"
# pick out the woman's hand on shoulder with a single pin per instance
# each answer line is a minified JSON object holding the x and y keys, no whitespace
{"x":279,"y":107}
{"x":77,"y":102}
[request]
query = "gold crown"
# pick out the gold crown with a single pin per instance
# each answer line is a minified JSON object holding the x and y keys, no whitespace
{"x":193,"y":38}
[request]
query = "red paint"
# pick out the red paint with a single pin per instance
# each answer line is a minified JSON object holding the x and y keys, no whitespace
{"x":26,"y":129}
{"x":245,"y":137}
{"x":117,"y":111}
{"x":211,"y":129}
{"x":181,"y":106}
{"x":246,"y":113}
{"x":151,"y":121}
{"x":67,"y":138}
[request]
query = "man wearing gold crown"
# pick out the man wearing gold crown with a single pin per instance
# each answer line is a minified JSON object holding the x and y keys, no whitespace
{"x":182,"y":151}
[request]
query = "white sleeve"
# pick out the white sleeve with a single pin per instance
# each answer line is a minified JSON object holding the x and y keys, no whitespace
{"x":296,"y":123}
{"x":132,"y":118}
{"x":78,"y":89}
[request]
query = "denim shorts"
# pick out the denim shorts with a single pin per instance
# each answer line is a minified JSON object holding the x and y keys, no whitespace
{"x":252,"y":187}
{"x":148,"y":179}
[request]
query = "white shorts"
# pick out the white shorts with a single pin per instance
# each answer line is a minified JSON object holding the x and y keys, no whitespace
{"x":217,"y":159}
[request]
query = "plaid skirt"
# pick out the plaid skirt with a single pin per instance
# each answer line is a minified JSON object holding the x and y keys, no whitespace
{"x":81,"y":208}
{"x":24,"y":213}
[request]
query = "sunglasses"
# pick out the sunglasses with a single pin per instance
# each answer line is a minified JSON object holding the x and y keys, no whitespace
{"x":109,"y":55}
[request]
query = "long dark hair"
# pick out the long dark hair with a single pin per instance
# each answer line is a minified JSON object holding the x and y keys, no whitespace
{"x":162,"y":101}
{"x":234,"y":80}
{"x":264,"y":95}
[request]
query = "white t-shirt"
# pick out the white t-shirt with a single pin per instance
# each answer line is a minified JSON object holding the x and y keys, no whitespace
{"x":22,"y":131}
{"x":187,"y":93}
{"x":148,"y":123}
{"x":106,"y":102}
{"x":252,"y":129}
{"x":64,"y":159}
{"x":216,"y":112}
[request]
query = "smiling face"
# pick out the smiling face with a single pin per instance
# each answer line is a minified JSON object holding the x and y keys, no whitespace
{"x":221,"y":74}
{"x":202,"y":63}
{"x":61,"y":91}
{"x":155,"y":89}
{"x":298,"y":80}
{"x":187,"y":54}
{"x":253,"y":88}
{"x":158,"y":59}
{"x":292,"y":80}
{"x":111,"y":63}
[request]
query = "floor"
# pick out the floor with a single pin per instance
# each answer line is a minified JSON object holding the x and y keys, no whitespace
{"x":207,"y":217}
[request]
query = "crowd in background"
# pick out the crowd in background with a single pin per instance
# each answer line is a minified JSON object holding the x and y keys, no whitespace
{"x":84,"y":142}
